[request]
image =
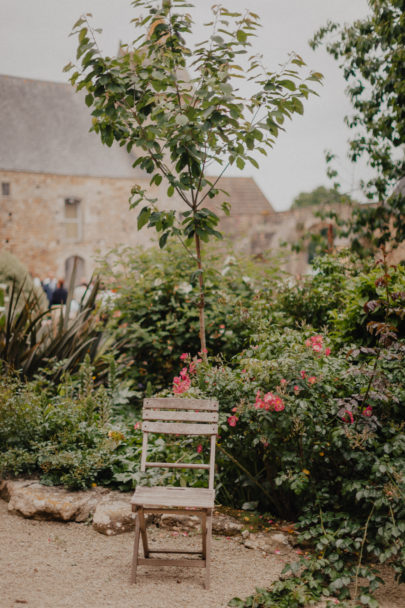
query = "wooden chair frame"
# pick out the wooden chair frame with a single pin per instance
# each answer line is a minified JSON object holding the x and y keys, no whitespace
{"x":180,"y":417}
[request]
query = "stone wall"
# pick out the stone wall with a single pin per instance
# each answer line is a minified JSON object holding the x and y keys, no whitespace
{"x":33,"y":226}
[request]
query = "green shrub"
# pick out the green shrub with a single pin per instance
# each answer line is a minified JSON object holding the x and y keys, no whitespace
{"x":335,"y":298}
{"x":155,"y":311}
{"x":318,"y":436}
{"x":63,"y":438}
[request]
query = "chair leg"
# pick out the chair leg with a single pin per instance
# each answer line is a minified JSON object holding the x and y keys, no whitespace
{"x":136,"y":549}
{"x":208,"y":550}
{"x":204,"y":534}
{"x":142,"y":525}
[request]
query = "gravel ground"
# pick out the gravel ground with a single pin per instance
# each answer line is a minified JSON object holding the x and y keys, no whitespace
{"x":57,"y":565}
{"x":46,"y":564}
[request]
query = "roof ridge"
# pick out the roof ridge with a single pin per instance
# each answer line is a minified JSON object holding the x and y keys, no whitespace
{"x":39,"y":80}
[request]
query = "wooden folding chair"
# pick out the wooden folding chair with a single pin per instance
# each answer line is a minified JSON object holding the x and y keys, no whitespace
{"x":179,"y":417}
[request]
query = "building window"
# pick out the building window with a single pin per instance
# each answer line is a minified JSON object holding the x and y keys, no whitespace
{"x":72,"y":219}
{"x":5,"y":188}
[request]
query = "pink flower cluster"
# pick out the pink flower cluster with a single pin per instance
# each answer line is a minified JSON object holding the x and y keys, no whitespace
{"x":181,"y":383}
{"x":310,"y":379}
{"x":316,"y":343}
{"x":269,"y":401}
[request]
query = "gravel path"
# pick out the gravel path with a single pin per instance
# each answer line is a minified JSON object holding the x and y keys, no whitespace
{"x":57,"y":565}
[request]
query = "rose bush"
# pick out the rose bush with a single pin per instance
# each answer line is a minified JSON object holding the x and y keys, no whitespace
{"x":316,"y":435}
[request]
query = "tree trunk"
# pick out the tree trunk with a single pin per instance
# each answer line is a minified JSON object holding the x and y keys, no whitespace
{"x":201,"y":304}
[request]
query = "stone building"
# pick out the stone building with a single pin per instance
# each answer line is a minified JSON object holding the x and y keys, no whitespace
{"x":64,"y":195}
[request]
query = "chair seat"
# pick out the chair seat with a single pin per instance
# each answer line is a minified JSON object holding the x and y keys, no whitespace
{"x":164,"y":496}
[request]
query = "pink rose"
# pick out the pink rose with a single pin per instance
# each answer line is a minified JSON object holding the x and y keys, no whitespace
{"x":317,"y":339}
{"x":303,"y":374}
{"x":278,"y":404}
{"x":327,"y":352}
{"x":184,"y":373}
{"x":184,"y":356}
{"x":199,"y":448}
{"x":348,"y":419}
{"x":312,"y":380}
{"x":232,"y":420}
{"x":368,"y":411}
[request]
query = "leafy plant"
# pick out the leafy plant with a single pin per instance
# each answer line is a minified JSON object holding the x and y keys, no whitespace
{"x":32,"y":338}
{"x":64,"y":438}
{"x":345,"y":475}
{"x":371,"y":55}
{"x":181,"y":122}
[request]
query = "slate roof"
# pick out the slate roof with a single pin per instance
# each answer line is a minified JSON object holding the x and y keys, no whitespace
{"x":44,"y":128}
{"x":245,"y":197}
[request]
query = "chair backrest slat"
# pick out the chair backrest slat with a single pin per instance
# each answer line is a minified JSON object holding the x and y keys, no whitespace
{"x":176,"y":403}
{"x":179,"y":428}
{"x":177,"y":416}
{"x":178,"y":465}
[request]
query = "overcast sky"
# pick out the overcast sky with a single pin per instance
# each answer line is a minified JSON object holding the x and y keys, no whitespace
{"x":34,"y":43}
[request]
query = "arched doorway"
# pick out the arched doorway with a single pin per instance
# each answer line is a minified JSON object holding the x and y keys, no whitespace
{"x":74,"y":265}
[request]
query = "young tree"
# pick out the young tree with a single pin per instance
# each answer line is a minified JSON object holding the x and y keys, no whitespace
{"x":181,"y":108}
{"x":371,"y":53}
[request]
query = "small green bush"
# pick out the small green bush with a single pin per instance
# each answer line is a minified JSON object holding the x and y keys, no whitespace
{"x":63,"y":438}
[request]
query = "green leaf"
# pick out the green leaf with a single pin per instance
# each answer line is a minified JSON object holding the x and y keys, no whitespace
{"x":89,"y":99}
{"x":253,"y":162}
{"x":163,"y":239}
{"x":240,"y":163}
{"x":82,"y":34}
{"x":241,"y":36}
{"x":143,"y":217}
{"x":226,"y":207}
{"x":287,"y":84}
{"x":298,"y":106}
{"x":156,"y":179}
{"x":226,"y":88}
{"x":78,"y":23}
{"x":181,"y":120}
